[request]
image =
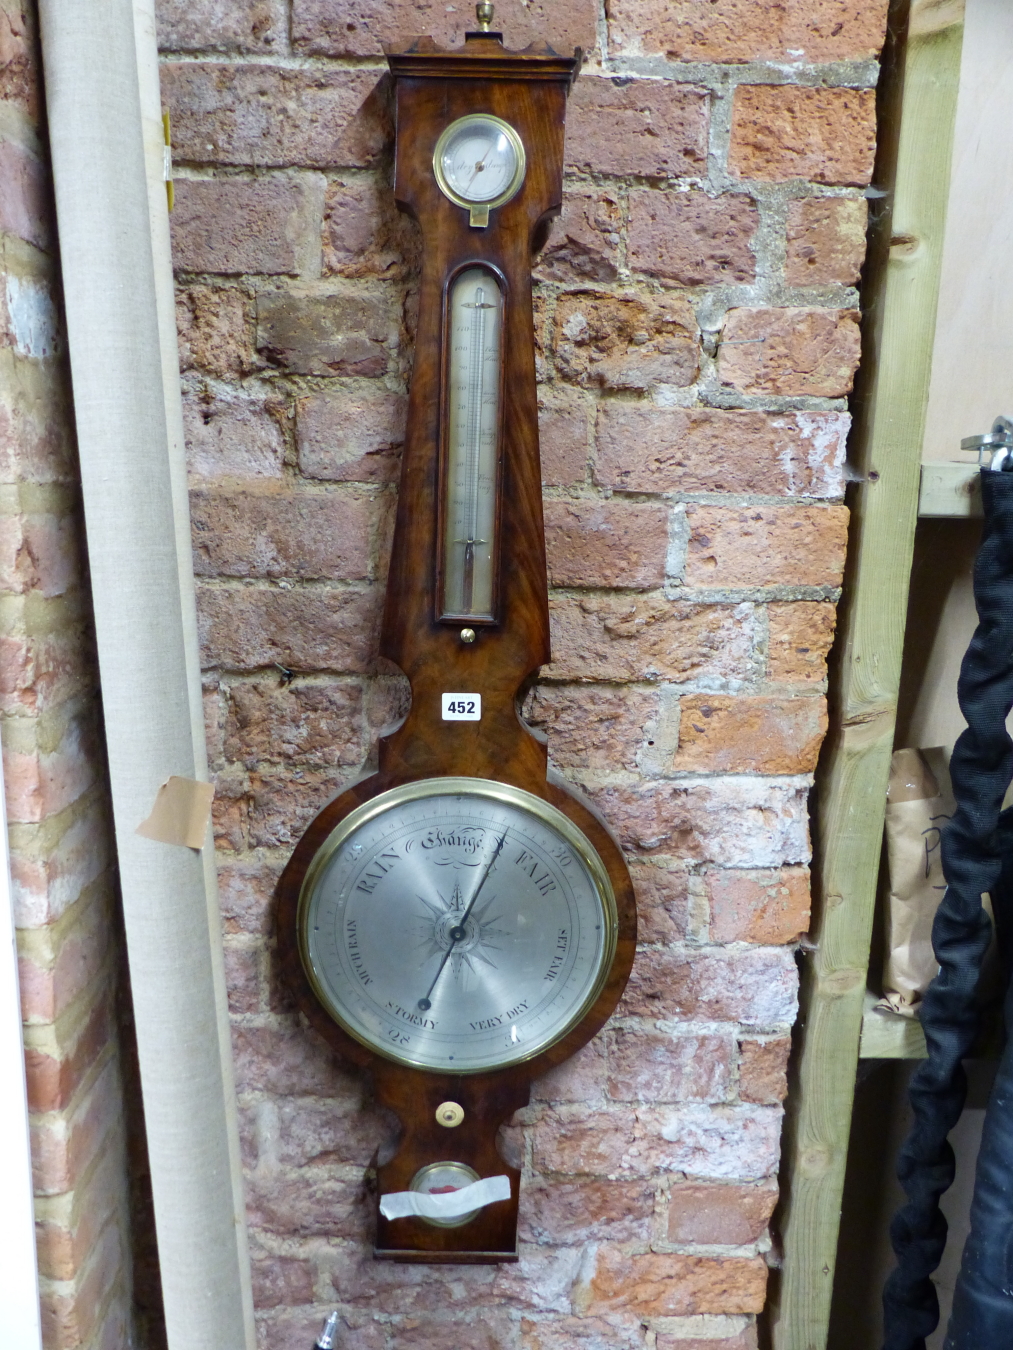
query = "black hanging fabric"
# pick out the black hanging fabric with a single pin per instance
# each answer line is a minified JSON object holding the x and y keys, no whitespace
{"x":972,"y":850}
{"x":983,"y":1298}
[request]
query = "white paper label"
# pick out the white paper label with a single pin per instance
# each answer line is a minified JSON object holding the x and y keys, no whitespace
{"x":399,"y":1204}
{"x":462,"y":707}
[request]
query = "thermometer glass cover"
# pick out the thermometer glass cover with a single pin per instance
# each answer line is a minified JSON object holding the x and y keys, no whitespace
{"x":474,"y":329}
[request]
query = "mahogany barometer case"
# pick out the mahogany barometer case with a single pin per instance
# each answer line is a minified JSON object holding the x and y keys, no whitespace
{"x":461,"y":920}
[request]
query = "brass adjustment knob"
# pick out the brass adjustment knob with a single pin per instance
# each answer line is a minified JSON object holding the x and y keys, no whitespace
{"x":449,"y":1114}
{"x":468,"y":635}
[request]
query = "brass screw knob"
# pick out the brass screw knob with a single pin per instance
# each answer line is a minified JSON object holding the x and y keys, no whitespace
{"x":484,"y":12}
{"x":468,"y":635}
{"x":449,"y":1114}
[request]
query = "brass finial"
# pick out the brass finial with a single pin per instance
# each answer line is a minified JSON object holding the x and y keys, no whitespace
{"x":483,"y":13}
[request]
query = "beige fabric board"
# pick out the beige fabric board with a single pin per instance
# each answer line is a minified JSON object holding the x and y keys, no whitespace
{"x":153,"y":134}
{"x":143,"y":604}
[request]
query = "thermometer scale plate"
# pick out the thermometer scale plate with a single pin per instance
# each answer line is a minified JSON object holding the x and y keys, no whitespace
{"x":471,"y":447}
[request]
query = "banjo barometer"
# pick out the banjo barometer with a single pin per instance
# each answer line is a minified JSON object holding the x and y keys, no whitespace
{"x":461,"y":921}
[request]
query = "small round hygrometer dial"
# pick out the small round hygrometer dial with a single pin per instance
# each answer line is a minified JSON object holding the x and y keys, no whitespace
{"x":457,"y":924}
{"x":479,"y":161}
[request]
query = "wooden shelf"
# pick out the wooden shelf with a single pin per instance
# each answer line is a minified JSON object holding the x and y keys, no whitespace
{"x":949,"y":489}
{"x":887,"y":1035}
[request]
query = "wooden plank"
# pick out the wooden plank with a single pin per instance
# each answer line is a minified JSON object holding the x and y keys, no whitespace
{"x":973,"y":352}
{"x":888,"y":1036}
{"x":917,"y":115}
{"x":950,"y":490}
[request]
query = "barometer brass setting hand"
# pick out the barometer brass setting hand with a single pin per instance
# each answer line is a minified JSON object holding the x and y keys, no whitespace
{"x":459,"y":931}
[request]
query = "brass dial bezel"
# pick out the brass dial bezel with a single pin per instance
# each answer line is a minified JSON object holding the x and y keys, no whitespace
{"x":550,"y":816}
{"x":520,"y":168}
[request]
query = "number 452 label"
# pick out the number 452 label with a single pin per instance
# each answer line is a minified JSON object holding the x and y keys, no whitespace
{"x":462,"y":707}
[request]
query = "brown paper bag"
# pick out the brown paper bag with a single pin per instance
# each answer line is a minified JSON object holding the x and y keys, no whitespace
{"x":919,"y":803}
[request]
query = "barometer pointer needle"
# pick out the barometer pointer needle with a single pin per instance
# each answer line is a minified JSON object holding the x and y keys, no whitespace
{"x":457,"y":932}
{"x":481,"y":163}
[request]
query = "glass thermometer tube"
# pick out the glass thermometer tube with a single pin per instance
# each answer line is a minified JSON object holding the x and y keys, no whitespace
{"x":476,"y":325}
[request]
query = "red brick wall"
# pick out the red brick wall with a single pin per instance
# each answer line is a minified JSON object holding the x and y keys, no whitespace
{"x":697,"y":328}
{"x":53,"y":758}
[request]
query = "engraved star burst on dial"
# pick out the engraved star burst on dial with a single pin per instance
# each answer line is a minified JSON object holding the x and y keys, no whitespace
{"x":480,"y":932}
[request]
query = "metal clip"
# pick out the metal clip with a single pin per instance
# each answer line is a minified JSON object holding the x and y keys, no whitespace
{"x":995,"y":449}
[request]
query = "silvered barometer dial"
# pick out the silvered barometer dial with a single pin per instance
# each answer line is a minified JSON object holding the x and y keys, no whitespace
{"x":457,"y":924}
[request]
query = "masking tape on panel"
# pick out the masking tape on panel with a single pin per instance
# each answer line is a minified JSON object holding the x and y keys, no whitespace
{"x":180,"y":814}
